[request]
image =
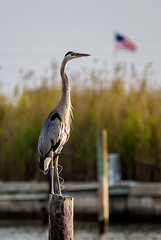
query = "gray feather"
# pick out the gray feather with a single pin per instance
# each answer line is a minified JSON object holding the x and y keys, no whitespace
{"x":49,"y":136}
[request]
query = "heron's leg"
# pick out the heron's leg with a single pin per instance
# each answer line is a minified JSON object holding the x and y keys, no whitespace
{"x":52,"y":174}
{"x":57,"y":175}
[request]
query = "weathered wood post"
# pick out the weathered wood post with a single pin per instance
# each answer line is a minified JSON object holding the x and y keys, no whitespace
{"x":102,"y":172}
{"x":60,"y":217}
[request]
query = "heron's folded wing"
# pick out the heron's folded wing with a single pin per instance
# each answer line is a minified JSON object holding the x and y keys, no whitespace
{"x":49,"y":136}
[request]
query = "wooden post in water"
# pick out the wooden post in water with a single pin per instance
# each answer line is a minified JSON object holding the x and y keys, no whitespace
{"x":102,"y":166}
{"x":61,"y":217}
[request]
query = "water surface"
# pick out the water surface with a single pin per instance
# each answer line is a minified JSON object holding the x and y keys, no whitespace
{"x":83,"y":231}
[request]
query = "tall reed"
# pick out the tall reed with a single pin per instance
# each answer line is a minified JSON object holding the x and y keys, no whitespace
{"x":130,"y":112}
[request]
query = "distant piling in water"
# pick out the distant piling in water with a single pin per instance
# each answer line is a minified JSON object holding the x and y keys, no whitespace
{"x":102,"y":172}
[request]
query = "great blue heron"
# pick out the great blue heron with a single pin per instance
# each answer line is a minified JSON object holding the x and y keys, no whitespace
{"x":56,"y":129}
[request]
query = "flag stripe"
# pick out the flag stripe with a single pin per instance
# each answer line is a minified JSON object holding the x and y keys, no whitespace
{"x":123,"y":42}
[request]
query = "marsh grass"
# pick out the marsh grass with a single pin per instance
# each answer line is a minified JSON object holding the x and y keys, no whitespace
{"x":130,"y":112}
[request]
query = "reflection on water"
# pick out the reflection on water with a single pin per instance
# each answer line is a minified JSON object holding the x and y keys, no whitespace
{"x":83,"y":231}
{"x":86,"y":231}
{"x":17,"y":231}
{"x":134,"y":232}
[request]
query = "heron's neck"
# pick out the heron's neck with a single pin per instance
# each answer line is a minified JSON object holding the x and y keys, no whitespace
{"x":65,"y":97}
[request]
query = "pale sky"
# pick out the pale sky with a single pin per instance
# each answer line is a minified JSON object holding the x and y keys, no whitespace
{"x":36,"y":32}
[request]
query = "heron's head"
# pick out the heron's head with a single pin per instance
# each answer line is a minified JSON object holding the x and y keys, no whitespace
{"x":71,"y":55}
{"x":44,"y":165}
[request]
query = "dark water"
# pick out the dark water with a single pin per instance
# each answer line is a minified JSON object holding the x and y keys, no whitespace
{"x":83,"y":231}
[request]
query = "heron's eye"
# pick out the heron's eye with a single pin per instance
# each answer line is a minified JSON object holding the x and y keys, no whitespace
{"x":72,"y":54}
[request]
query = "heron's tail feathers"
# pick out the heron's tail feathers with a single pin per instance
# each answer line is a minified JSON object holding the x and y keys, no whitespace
{"x":47,"y":162}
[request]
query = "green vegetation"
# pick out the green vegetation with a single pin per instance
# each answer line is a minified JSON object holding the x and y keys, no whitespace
{"x":132,"y":117}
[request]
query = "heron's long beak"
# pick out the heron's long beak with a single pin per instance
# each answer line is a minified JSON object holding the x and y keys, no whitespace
{"x":82,"y":55}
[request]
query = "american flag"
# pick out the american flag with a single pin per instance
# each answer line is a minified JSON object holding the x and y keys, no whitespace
{"x":123,"y":42}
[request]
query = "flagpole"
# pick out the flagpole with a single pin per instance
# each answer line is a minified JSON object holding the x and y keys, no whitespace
{"x":115,"y":54}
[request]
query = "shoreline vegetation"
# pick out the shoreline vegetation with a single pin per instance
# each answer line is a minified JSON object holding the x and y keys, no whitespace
{"x":127,"y":105}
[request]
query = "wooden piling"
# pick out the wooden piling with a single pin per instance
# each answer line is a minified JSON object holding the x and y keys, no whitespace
{"x":102,"y":172}
{"x":61,"y":217}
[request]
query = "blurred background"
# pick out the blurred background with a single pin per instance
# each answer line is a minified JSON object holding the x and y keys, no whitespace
{"x":117,"y":89}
